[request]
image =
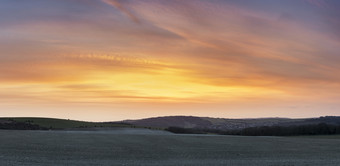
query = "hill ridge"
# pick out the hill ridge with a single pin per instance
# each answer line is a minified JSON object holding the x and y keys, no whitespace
{"x":226,"y":123}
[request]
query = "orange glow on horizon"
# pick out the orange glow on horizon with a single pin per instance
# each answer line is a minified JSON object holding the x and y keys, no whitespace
{"x":134,"y":59}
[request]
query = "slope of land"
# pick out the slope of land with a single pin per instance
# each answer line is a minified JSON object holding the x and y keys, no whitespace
{"x":227,"y":124}
{"x":93,"y":148}
{"x":52,"y":123}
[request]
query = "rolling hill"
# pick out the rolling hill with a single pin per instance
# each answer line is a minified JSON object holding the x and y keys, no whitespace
{"x":222,"y":124}
{"x":32,"y":123}
{"x":227,"y":124}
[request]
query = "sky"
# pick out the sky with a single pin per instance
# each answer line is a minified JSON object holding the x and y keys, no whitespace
{"x":107,"y":60}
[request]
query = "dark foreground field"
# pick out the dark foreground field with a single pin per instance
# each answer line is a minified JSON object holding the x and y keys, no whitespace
{"x":122,"y":147}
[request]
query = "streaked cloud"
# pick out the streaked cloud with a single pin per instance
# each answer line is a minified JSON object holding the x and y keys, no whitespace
{"x":117,"y":4}
{"x":176,"y":54}
{"x":319,"y":3}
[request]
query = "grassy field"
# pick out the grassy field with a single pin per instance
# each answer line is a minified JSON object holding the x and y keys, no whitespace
{"x":119,"y":147}
{"x":319,"y":136}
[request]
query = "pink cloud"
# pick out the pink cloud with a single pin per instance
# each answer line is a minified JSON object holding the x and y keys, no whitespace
{"x":117,"y":4}
{"x":318,"y":3}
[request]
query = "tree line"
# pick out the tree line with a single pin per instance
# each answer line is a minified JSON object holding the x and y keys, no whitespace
{"x":20,"y":126}
{"x":311,"y":129}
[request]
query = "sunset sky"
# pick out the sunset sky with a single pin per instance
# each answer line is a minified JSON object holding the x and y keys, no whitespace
{"x":102,"y":60}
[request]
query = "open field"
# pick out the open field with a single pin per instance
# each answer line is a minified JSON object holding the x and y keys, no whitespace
{"x":319,"y":136}
{"x":121,"y":147}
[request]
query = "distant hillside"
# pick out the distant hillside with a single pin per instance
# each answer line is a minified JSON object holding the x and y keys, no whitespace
{"x":331,"y":120}
{"x":227,"y":124}
{"x":51,"y":123}
{"x":189,"y":122}
{"x":178,"y":121}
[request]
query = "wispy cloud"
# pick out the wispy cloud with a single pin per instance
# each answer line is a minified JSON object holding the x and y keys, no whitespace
{"x":319,"y":3}
{"x":180,"y":52}
{"x":119,"y":5}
